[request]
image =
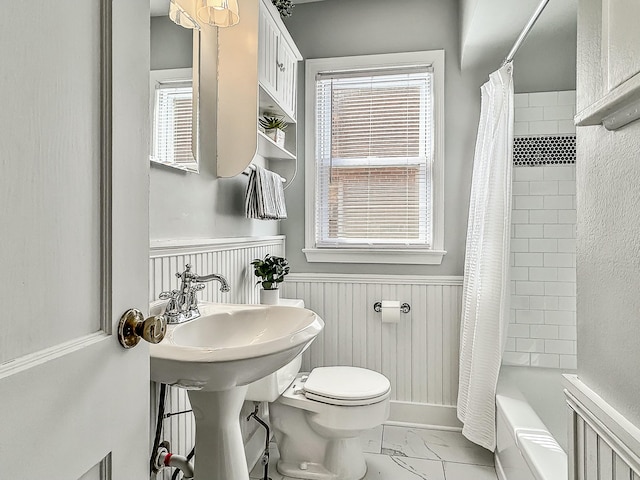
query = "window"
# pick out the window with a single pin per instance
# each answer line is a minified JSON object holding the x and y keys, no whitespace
{"x":172,"y":119}
{"x":374,"y":148}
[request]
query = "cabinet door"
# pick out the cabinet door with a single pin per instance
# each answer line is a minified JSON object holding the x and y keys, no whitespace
{"x":287,"y":69}
{"x":622,"y":40}
{"x":269,"y":39}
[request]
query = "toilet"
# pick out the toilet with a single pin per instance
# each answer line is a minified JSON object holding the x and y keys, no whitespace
{"x":317,"y":417}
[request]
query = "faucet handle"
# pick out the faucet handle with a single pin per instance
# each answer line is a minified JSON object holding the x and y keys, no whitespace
{"x":168,"y":295}
{"x":187,"y":274}
{"x":198,"y":286}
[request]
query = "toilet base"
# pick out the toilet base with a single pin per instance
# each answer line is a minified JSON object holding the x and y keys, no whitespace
{"x":321,"y":441}
{"x":343,"y":460}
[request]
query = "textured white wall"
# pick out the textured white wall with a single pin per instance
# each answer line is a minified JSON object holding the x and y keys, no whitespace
{"x":608,"y":250}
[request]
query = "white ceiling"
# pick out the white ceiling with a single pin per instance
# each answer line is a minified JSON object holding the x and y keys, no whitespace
{"x":491,"y":27}
{"x":159,"y":8}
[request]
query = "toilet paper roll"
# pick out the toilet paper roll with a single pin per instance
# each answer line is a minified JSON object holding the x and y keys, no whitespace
{"x":390,"y":311}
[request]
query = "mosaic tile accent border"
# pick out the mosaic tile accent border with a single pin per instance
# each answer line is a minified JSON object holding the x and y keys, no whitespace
{"x":544,"y":150}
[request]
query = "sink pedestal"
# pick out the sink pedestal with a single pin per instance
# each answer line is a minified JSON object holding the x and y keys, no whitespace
{"x":219,"y":446}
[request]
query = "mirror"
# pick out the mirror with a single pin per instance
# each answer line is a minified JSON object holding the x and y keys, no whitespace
{"x":174,"y":89}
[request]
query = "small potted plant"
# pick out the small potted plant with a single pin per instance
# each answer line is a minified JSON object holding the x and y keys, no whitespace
{"x":274,"y":127}
{"x":271,"y":270}
{"x":285,"y":7}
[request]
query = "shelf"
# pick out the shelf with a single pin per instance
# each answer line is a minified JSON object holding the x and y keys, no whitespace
{"x":617,"y":108}
{"x":267,"y":104}
{"x":270,"y":150}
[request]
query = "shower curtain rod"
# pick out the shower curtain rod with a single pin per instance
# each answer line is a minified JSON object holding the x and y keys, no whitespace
{"x":525,"y":31}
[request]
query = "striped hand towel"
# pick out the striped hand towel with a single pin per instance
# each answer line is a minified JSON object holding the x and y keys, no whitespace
{"x":265,"y":195}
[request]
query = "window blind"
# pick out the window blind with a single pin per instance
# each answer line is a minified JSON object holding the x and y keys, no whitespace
{"x":173,"y":123}
{"x":374,"y":154}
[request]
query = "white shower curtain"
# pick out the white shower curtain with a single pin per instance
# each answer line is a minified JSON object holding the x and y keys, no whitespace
{"x":485,"y":297}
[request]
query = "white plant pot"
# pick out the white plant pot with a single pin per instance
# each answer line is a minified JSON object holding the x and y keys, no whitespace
{"x":276,"y":135}
{"x":269,"y":297}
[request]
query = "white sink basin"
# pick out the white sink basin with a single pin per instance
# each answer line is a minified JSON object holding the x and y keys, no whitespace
{"x":215,"y":357}
{"x":231,"y":345}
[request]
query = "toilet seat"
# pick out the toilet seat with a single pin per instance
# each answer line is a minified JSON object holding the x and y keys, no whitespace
{"x":346,"y":386}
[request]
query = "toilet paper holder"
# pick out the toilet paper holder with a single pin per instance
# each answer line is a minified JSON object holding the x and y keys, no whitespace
{"x":404,"y":308}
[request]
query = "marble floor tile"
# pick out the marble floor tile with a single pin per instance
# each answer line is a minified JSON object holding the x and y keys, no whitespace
{"x":372,"y":440}
{"x":411,"y":454}
{"x":462,"y":471}
{"x":385,"y":467}
{"x":433,"y":445}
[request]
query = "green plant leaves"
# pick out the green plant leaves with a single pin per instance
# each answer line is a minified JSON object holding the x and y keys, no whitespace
{"x":269,"y":122}
{"x":271,"y":270}
{"x":285,"y":7}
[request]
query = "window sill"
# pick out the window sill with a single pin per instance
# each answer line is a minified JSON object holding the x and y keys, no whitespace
{"x":374,"y":255}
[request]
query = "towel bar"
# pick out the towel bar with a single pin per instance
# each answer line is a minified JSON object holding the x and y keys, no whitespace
{"x":253,"y":167}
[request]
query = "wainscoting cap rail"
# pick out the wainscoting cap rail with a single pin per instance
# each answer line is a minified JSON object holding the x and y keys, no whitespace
{"x":375,"y":279}
{"x":163,"y":248}
{"x":622,"y":436}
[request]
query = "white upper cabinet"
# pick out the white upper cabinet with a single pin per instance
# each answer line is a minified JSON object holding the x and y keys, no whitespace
{"x":257,"y":75}
{"x":268,"y":41}
{"x":287,"y":78}
{"x":278,"y":60}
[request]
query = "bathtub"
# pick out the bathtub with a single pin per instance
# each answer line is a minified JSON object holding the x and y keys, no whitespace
{"x":531,"y":425}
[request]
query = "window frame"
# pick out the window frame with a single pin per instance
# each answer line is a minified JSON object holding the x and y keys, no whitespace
{"x":172,"y":75}
{"x":376,"y":254}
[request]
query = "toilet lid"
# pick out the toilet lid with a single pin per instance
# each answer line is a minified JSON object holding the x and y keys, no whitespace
{"x":346,"y":385}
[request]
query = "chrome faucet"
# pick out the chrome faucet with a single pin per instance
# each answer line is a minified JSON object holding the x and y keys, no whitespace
{"x":183,"y":303}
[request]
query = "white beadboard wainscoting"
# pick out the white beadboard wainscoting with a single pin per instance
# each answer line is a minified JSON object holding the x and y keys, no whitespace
{"x":603,"y":444}
{"x":419,"y":354}
{"x":230,"y":257}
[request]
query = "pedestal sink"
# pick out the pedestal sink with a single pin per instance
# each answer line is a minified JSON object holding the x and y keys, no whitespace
{"x":215,"y":357}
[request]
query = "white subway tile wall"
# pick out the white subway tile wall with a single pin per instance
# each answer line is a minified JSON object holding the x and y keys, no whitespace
{"x":545,"y":113}
{"x":542,"y":330}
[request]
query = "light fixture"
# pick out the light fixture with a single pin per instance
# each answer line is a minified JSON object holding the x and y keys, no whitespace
{"x":180,"y":16}
{"x":218,"y":13}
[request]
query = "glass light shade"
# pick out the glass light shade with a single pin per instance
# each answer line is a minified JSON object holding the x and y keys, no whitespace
{"x":180,"y":16}
{"x":218,"y":13}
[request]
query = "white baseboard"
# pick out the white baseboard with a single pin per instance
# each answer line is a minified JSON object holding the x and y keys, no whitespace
{"x":499,"y":470}
{"x":442,"y":417}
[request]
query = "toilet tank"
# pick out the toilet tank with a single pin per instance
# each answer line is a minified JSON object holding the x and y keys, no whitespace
{"x":269,"y":388}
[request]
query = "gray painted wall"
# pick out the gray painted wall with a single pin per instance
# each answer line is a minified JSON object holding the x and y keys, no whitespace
{"x":199,"y":206}
{"x":187,"y":205}
{"x":608,"y":251}
{"x":358,"y":27}
{"x":171,"y":45}
{"x":546,"y":64}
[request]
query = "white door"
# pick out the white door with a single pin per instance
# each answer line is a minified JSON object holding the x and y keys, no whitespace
{"x":73,"y":238}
